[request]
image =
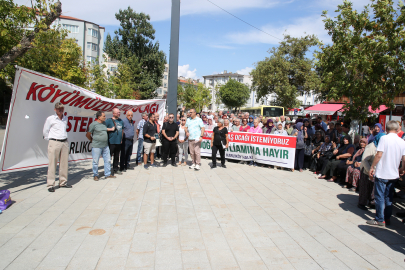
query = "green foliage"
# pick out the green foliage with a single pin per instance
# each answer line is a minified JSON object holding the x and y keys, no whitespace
{"x":133,"y":46}
{"x":194,"y":97}
{"x":366,"y":61}
{"x":234,"y":94}
{"x":287,"y":72}
{"x":54,"y":55}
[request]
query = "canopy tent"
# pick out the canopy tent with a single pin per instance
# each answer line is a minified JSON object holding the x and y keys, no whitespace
{"x":330,"y":109}
{"x":324,"y":109}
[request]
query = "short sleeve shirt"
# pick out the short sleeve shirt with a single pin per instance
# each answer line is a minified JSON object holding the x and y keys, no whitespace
{"x":170,"y":129}
{"x":99,"y":134}
{"x":194,"y":127}
{"x":219,"y":135}
{"x":115,"y":137}
{"x":393,"y":149}
{"x":151,"y":130}
{"x":140,"y":127}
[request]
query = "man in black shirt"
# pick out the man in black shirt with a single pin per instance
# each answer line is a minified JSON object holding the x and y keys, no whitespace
{"x":149,"y":143}
{"x":170,"y":131}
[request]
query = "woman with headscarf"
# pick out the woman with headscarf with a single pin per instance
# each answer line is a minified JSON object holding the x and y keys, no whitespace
{"x":365,"y":184}
{"x":353,"y":171}
{"x":251,"y":119}
{"x":316,"y":142}
{"x":268,"y":128}
{"x":280,"y":130}
{"x":204,"y":119}
{"x":288,"y":127}
{"x":310,"y":129}
{"x":341,"y":154}
{"x":244,"y":127}
{"x":322,"y":157}
{"x":377,"y":129}
{"x":300,"y":146}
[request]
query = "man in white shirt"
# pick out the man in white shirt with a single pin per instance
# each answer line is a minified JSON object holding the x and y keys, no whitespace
{"x":58,"y":148}
{"x":390,"y":151}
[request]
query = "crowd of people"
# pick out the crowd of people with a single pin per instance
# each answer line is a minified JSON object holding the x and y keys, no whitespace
{"x":369,"y":165}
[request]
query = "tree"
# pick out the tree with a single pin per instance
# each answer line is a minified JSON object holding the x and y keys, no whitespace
{"x":234,"y":94}
{"x":134,"y":46}
{"x":366,"y":61}
{"x":16,"y":34}
{"x":287,"y":72}
{"x":194,"y":97}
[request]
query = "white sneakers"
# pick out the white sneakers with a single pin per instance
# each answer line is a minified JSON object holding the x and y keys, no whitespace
{"x":195,"y":167}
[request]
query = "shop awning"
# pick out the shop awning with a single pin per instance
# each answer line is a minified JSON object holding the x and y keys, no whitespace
{"x":324,"y":109}
{"x":380,"y":109}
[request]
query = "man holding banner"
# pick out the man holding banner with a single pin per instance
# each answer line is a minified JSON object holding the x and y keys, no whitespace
{"x":58,"y":149}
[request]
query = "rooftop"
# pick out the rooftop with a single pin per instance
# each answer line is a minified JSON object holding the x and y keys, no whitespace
{"x":76,"y":19}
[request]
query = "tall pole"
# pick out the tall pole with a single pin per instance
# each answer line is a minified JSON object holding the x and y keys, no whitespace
{"x":174,"y":58}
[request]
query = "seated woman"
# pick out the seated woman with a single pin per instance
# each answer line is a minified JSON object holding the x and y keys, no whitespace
{"x":269,"y":128}
{"x":333,"y":166}
{"x":353,"y":171}
{"x":322,"y":157}
{"x":280,"y":130}
{"x":316,"y":142}
{"x":244,"y":127}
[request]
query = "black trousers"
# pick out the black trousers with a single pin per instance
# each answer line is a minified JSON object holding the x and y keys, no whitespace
{"x":115,"y":150}
{"x":321,"y":165}
{"x":299,"y":158}
{"x":330,"y":168}
{"x":126,"y":152}
{"x":169,"y":148}
{"x":215,"y":149}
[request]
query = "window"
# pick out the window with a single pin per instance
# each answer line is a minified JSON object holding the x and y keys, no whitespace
{"x":166,"y":69}
{"x":159,"y":91}
{"x":113,"y":68}
{"x":241,"y":80}
{"x":71,"y":28}
{"x":92,"y":46}
{"x":165,"y":85}
{"x":165,"y":77}
{"x":91,"y":59}
{"x":93,"y":32}
{"x":308,"y":103}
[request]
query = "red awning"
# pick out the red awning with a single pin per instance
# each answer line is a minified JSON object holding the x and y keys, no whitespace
{"x":324,"y":109}
{"x":382,"y":108}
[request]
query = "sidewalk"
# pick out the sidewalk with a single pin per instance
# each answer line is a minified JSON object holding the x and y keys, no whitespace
{"x":176,"y":218}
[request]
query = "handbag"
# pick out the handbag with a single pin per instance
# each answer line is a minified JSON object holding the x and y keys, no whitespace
{"x":5,"y":199}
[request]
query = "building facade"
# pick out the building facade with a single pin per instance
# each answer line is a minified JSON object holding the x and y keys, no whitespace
{"x":162,"y":90}
{"x":215,"y":81}
{"x":89,"y":36}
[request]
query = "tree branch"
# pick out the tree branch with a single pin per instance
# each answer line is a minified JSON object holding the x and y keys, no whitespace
{"x":25,"y":43}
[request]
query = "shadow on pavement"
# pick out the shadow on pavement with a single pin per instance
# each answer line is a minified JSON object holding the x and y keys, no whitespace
{"x":393,"y":235}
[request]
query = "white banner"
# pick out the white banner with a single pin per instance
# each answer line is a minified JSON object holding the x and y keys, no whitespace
{"x":262,"y":148}
{"x":33,"y":100}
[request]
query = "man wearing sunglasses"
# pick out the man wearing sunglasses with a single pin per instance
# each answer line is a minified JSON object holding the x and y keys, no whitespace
{"x":170,"y":131}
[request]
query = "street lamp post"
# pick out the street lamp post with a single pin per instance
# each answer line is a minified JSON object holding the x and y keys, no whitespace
{"x":174,"y":58}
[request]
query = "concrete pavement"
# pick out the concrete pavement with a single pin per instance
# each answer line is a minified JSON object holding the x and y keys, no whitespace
{"x":176,"y":218}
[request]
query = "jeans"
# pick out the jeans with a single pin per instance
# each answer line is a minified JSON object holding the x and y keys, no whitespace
{"x":97,"y":153}
{"x":183,"y":151}
{"x":140,"y":150}
{"x":383,"y":195}
{"x":126,"y":152}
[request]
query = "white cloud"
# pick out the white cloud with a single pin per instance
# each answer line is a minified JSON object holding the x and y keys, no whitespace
{"x":226,"y":47}
{"x":185,"y":72}
{"x":245,"y":71}
{"x":301,"y":27}
{"x":104,"y":14}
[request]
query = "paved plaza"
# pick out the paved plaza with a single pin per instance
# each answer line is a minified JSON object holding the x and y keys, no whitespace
{"x":176,"y":218}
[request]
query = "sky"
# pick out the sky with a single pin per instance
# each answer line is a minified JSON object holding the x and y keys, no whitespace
{"x":211,"y":40}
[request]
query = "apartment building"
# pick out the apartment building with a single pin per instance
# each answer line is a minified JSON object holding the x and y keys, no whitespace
{"x":89,"y":36}
{"x":162,"y":90}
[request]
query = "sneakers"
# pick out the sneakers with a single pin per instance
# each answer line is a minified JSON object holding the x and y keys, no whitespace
{"x":375,"y":223}
{"x":192,"y":166}
{"x":154,"y":165}
{"x":197,"y":167}
{"x":223,"y":166}
{"x":146,"y":167}
{"x":174,"y":165}
{"x":95,"y":178}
